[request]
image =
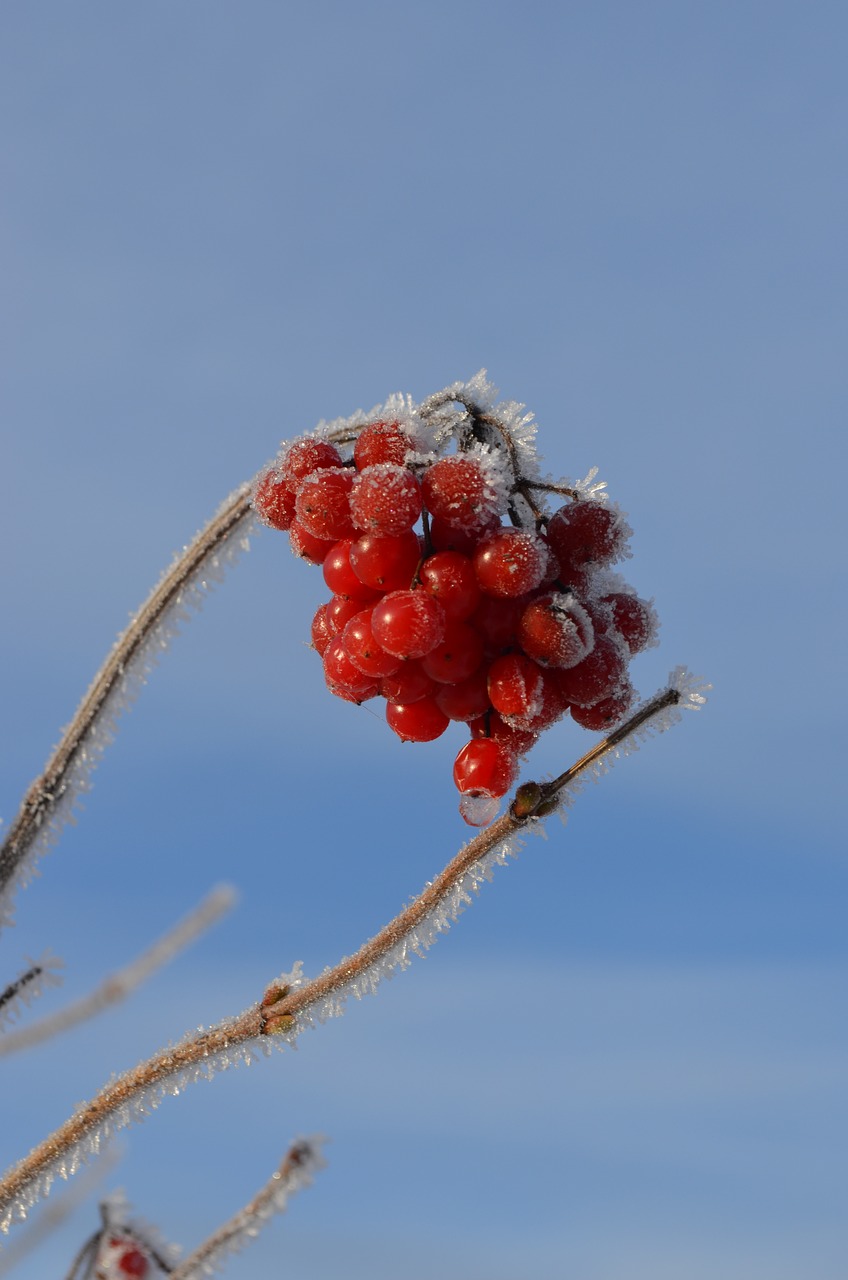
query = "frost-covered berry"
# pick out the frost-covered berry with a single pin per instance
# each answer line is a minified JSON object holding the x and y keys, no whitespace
{"x":385,"y":499}
{"x":381,"y":442}
{"x":457,"y":491}
{"x":585,"y":533}
{"x":323,"y":503}
{"x":510,"y":563}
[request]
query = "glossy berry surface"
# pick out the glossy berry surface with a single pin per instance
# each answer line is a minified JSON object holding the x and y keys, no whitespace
{"x":485,"y":766}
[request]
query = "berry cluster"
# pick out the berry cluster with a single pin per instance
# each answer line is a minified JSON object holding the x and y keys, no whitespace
{"x":442,"y":608}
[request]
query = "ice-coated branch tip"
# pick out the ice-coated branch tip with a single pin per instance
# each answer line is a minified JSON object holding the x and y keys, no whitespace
{"x":117,"y":986}
{"x":302,"y":1161}
{"x":51,"y":799}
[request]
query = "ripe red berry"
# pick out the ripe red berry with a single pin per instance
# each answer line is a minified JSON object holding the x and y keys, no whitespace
{"x":307,"y":546}
{"x":450,"y":577}
{"x":273,"y":500}
{"x":633,"y":619}
{"x":516,"y":684}
{"x":386,"y":499}
{"x":467,"y":700}
{"x":409,"y":683}
{"x":510,"y":563}
{"x":126,"y":1255}
{"x":321,"y":631}
{"x":421,"y":721}
{"x":323,"y":503}
{"x":408,"y":623}
{"x":456,"y":490}
{"x":598,"y":676}
{"x":450,"y":537}
{"x":308,"y":455}
{"x":341,"y":673}
{"x":457,"y":655}
{"x":340,"y":576}
{"x":389,"y":564}
{"x":485,"y":766}
{"x":585,"y":533}
{"x":606,"y":714}
{"x":364,"y":651}
{"x":555,"y":630}
{"x":381,"y":442}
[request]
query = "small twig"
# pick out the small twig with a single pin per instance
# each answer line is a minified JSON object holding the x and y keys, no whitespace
{"x":301,"y":1160}
{"x":81,"y":742}
{"x":53,"y":1215}
{"x":118,"y":986}
{"x":27,"y":987}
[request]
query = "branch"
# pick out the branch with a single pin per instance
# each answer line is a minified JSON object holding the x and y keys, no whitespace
{"x":301,"y":1161}
{"x":291,"y":1004}
{"x":118,"y":986}
{"x":50,"y":800}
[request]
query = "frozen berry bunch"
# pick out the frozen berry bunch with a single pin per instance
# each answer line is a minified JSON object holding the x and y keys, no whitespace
{"x":464,"y":586}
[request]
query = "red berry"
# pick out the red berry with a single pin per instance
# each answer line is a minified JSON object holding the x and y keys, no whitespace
{"x":321,"y":631}
{"x":389,"y":564}
{"x":605,"y":714}
{"x":450,"y":537}
{"x":632,"y":618}
{"x":409,"y":683}
{"x":308,"y":455}
{"x":467,"y":700}
{"x":421,"y":721}
{"x":340,"y":610}
{"x":556,"y":630}
{"x":585,"y":533}
{"x":307,"y":546}
{"x":408,"y":623}
{"x":456,"y":656}
{"x":273,"y":500}
{"x":364,"y":651}
{"x":340,"y":672}
{"x":598,"y":676}
{"x":516,"y":685}
{"x":386,"y":499}
{"x":491,"y":725}
{"x":510,"y":563}
{"x":450,"y":577}
{"x":381,"y":442}
{"x":340,"y":577}
{"x":456,"y":491}
{"x":323,"y":503}
{"x":486,"y":767}
{"x":497,"y":620}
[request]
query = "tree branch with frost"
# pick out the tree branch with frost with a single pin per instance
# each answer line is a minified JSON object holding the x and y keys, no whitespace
{"x":50,"y":799}
{"x":117,"y":986}
{"x":291,"y":1004}
{"x":302,"y":1160}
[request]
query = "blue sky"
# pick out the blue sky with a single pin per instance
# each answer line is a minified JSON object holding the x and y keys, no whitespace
{"x":219,"y":225}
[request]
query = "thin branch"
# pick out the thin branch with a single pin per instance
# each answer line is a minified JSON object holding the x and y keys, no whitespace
{"x":54,"y":1214}
{"x":301,"y":1160}
{"x":118,"y":985}
{"x":27,"y":987}
{"x":49,"y":800}
{"x":291,"y":1005}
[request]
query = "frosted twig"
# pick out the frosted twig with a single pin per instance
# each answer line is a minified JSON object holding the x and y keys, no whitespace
{"x":291,"y":1004}
{"x":118,"y":985}
{"x":55,"y":1213}
{"x":50,"y":800}
{"x":27,"y":987}
{"x":301,"y":1161}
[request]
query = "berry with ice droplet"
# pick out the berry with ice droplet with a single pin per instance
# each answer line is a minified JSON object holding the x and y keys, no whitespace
{"x":485,"y":766}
